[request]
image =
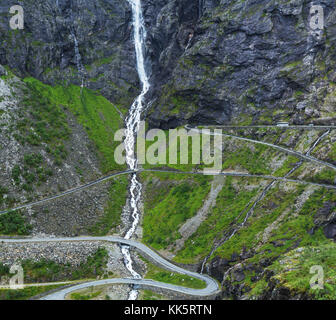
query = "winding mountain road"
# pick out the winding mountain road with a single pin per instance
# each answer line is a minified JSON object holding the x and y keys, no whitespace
{"x":306,"y":157}
{"x":70,"y":191}
{"x":212,"y":286}
{"x":290,"y":127}
{"x":274,"y":146}
{"x":228,"y":174}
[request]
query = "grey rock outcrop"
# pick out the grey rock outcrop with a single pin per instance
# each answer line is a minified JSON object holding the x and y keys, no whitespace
{"x":45,"y":48}
{"x":240,"y":61}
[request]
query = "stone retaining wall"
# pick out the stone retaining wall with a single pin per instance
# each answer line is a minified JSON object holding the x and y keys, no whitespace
{"x":73,"y":253}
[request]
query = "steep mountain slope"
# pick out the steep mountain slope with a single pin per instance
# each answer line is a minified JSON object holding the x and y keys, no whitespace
{"x":46,"y":48}
{"x":46,"y":149}
{"x":210,"y":61}
{"x":66,"y":83}
{"x":252,"y":224}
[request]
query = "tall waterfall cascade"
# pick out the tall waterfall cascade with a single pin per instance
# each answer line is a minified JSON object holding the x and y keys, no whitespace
{"x":132,"y":127}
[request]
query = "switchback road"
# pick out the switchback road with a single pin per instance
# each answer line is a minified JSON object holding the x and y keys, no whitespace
{"x":212,"y":286}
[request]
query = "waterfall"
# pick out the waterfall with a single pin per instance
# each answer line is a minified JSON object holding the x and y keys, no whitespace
{"x":78,"y":57}
{"x":132,"y":127}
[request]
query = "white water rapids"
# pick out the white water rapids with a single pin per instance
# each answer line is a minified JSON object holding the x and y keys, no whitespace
{"x":132,"y":127}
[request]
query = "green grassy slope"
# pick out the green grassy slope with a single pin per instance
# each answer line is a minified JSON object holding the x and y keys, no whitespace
{"x":285,"y":219}
{"x":169,"y":205}
{"x":97,"y":115}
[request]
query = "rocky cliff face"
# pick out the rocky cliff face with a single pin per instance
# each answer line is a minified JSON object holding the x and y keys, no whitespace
{"x":46,"y":48}
{"x":211,"y":61}
{"x":241,"y":61}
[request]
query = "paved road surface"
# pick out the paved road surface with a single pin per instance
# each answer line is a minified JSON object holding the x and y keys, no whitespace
{"x":211,"y":288}
{"x":228,"y":174}
{"x":283,"y":149}
{"x":298,"y":127}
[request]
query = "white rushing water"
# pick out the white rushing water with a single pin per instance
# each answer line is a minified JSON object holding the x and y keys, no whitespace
{"x":132,"y":127}
{"x":78,"y":57}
